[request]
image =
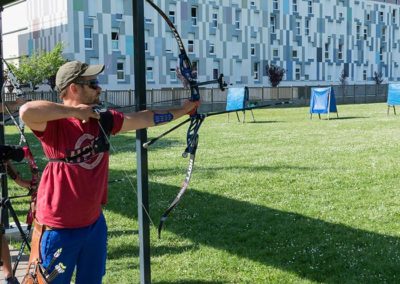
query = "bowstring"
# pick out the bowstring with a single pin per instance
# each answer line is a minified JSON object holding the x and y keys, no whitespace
{"x":127,"y":176}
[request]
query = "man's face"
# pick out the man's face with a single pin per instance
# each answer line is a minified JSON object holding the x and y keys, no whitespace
{"x":89,"y":90}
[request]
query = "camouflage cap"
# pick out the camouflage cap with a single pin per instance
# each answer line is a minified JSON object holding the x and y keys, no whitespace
{"x":72,"y":70}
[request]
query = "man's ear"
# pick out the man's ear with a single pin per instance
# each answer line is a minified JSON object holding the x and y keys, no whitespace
{"x":73,"y":87}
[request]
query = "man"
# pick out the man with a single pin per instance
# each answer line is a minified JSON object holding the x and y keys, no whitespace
{"x":73,"y":185}
{"x":5,"y":251}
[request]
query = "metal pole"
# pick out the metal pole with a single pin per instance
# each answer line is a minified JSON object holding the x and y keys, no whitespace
{"x":3,"y":176}
{"x":141,"y":137}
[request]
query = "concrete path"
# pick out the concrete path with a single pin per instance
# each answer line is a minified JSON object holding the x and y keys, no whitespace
{"x":22,"y":266}
{"x":15,"y":237}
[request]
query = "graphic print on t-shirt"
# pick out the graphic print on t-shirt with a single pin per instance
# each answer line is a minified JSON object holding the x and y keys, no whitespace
{"x":88,"y":161}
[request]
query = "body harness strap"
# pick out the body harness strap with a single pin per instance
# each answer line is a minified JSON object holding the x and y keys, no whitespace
{"x":99,"y":145}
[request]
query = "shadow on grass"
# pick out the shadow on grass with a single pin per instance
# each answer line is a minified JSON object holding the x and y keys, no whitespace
{"x":214,"y":171}
{"x":183,"y":281}
{"x":313,"y":249}
{"x":265,"y":121}
{"x":130,"y":250}
{"x":350,"y":117}
{"x":344,"y":118}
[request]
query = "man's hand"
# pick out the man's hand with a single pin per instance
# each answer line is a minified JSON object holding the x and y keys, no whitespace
{"x":85,"y":112}
{"x":191,"y":107}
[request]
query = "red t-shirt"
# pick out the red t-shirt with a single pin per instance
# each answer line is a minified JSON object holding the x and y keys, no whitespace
{"x":71,"y":195}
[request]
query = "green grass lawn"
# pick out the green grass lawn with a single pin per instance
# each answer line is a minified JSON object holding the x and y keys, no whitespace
{"x":283,"y":200}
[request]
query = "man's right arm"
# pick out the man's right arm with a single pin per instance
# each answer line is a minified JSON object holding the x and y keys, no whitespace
{"x":36,"y":114}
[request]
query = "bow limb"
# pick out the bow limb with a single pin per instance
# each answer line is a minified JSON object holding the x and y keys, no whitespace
{"x":177,"y":199}
{"x":192,"y":142}
{"x":189,"y":79}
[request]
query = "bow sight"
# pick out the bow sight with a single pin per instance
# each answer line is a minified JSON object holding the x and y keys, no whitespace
{"x":221,"y":83}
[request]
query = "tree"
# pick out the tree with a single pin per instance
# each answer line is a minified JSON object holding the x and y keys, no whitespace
{"x":378,"y":77}
{"x":275,"y":74}
{"x":41,"y":67}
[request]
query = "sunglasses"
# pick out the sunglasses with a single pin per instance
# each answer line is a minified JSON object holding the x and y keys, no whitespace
{"x":93,"y":84}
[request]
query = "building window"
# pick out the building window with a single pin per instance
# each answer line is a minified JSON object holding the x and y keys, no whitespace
{"x":238,"y":71}
{"x":211,"y":49}
{"x":272,"y":20}
{"x":294,"y":53}
{"x":190,"y":45}
{"x":194,"y":15}
{"x":214,"y":21}
{"x":148,"y":21}
{"x":275,"y":52}
{"x":276,"y":5}
{"x":297,"y":73}
{"x":294,"y":5}
{"x":88,"y":38}
{"x":394,"y":16}
{"x":93,"y":61}
{"x":307,"y":27}
{"x":365,"y":33}
{"x":381,"y":53}
{"x":237,"y":19}
{"x":172,"y":70}
{"x":310,"y":7}
{"x":149,"y":70}
{"x":326,"y":50}
{"x":252,"y":49}
{"x":340,"y":51}
{"x":381,"y":16}
{"x":364,"y":75}
{"x":146,"y":37}
{"x":119,"y":5}
{"x":298,"y":30}
{"x":256,"y":68}
{"x":383,"y":34}
{"x":195,"y":66}
{"x":216,"y":70}
{"x":171,"y":16}
{"x":358,"y":32}
{"x":120,"y":71}
{"x":115,"y":39}
{"x":169,"y":41}
{"x":252,"y":3}
{"x":92,"y":9}
{"x":149,"y":74}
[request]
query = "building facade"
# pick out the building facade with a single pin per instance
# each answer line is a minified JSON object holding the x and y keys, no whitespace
{"x":313,"y":40}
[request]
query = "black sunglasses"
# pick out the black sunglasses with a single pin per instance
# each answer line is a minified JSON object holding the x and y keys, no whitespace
{"x":93,"y":84}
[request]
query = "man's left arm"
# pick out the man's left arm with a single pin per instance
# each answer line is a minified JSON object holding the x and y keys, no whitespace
{"x":148,"y":118}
